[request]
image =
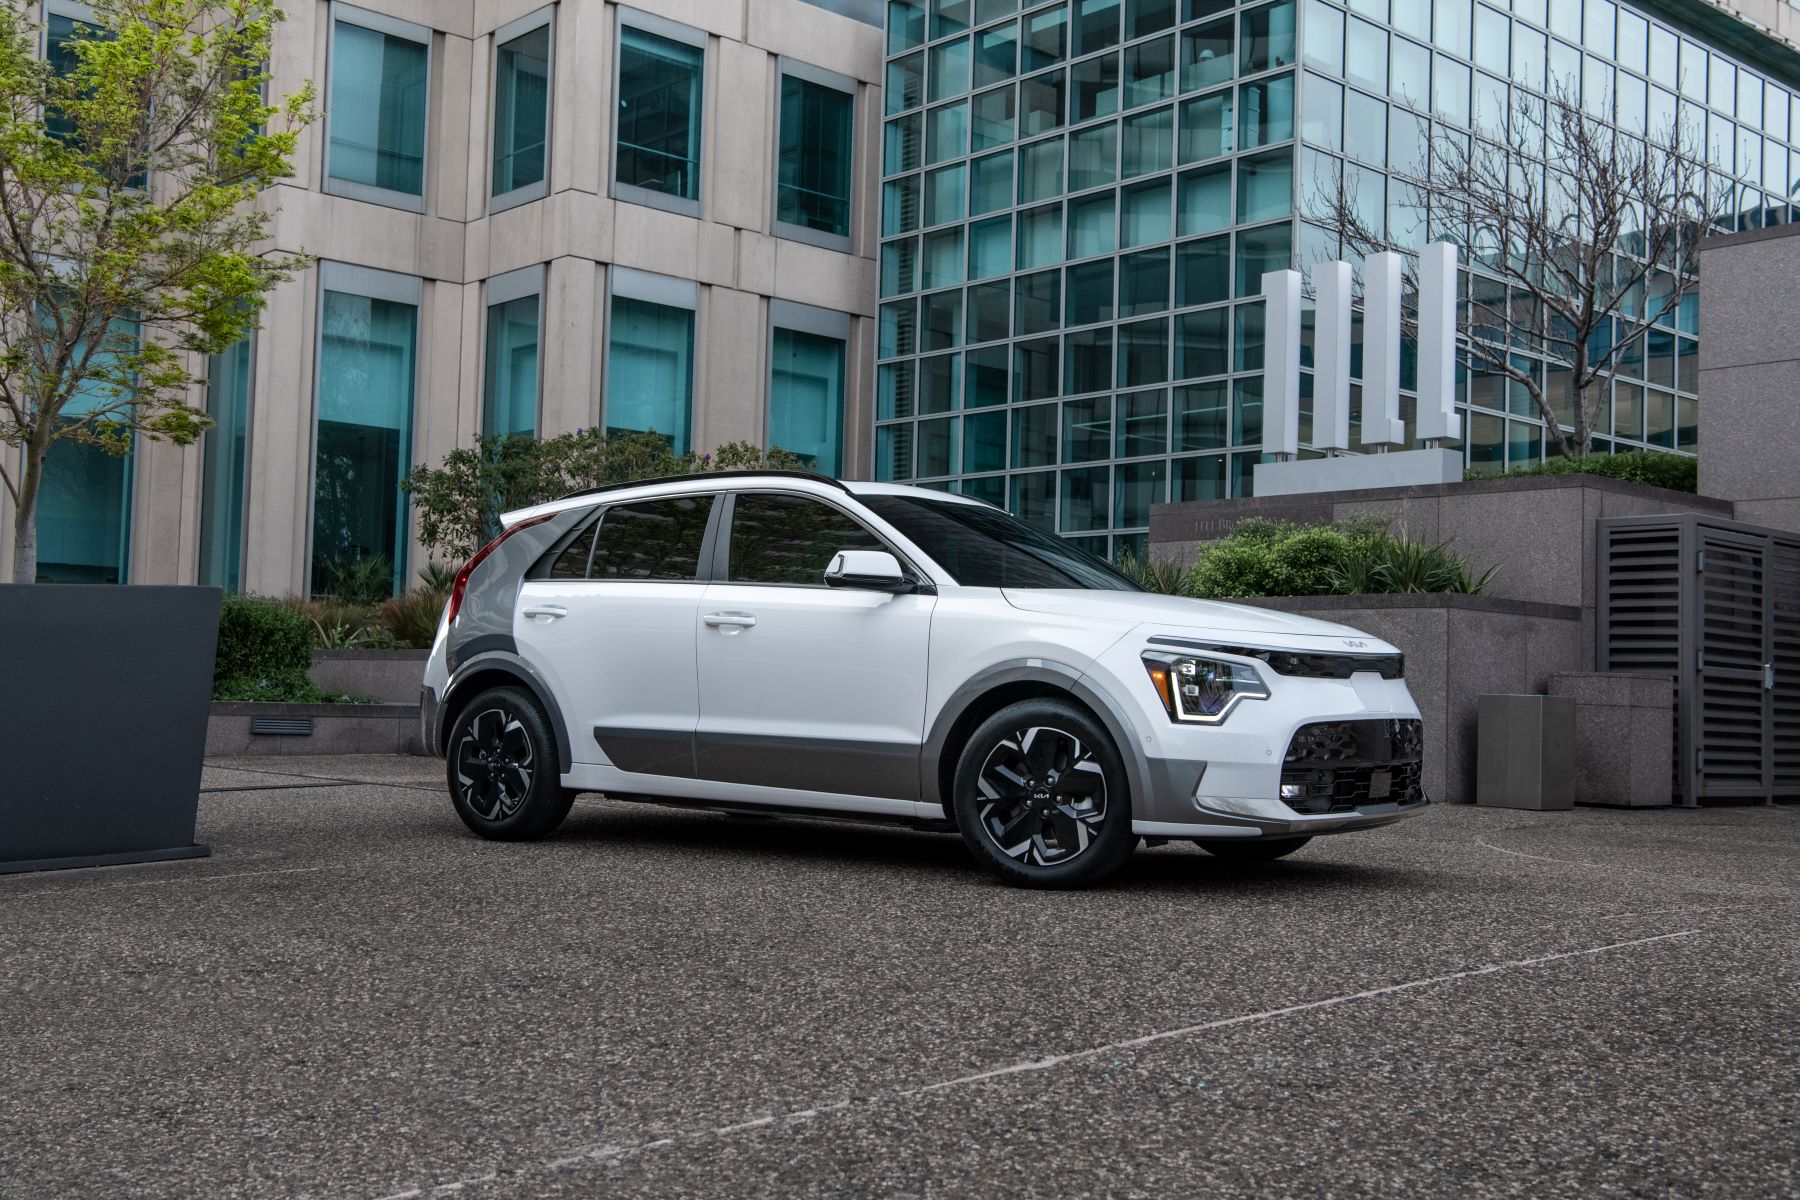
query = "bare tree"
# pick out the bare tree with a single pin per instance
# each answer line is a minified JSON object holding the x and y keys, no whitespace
{"x":1586,"y":234}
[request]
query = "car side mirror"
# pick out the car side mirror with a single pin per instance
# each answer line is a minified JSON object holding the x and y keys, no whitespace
{"x":869,"y":570}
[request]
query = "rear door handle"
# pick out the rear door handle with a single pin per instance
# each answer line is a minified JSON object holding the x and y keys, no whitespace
{"x":549,"y":611}
{"x":729,"y":620}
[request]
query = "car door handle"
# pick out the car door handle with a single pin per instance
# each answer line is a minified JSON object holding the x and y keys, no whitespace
{"x":729,"y":620}
{"x":551,"y":611}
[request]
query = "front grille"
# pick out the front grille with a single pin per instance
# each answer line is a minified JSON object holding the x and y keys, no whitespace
{"x":1339,"y":765}
{"x":1306,"y":664}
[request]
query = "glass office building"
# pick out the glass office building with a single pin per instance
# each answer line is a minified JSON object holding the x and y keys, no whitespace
{"x":1079,"y":200}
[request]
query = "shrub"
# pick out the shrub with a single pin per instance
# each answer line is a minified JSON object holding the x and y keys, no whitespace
{"x":1164,"y":576}
{"x":260,"y":638}
{"x":1273,"y":558}
{"x":412,"y":619}
{"x":1678,"y":473}
{"x":281,"y":687}
{"x":363,"y":581}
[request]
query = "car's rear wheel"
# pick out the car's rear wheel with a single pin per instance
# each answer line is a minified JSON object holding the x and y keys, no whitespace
{"x":1041,"y":797}
{"x":1251,"y":849}
{"x":504,"y":774}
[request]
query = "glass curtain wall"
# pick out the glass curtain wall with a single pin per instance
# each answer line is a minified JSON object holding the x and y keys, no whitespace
{"x":367,"y":357}
{"x":223,"y":467}
{"x":1079,"y":200}
{"x":511,"y":387}
{"x":650,"y":371}
{"x":806,"y":398}
{"x":379,"y":91}
{"x":84,"y":498}
{"x":659,"y":114}
{"x":813,"y":187}
{"x":521,"y":111}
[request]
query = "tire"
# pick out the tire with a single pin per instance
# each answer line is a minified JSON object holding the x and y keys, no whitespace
{"x":1251,"y":850}
{"x":1041,"y":797}
{"x":502,"y":766}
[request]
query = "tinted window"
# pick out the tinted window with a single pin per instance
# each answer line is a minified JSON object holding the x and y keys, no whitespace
{"x":654,"y":539}
{"x":572,"y":563}
{"x":790,"y":539}
{"x":985,"y":547}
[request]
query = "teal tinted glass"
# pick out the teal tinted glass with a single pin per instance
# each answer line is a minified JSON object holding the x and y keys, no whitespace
{"x":379,"y":91}
{"x":367,"y":366}
{"x":806,"y":398}
{"x":521,"y":111}
{"x":83,"y":516}
{"x":222,"y":470}
{"x":650,"y":371}
{"x":509,"y":399}
{"x":659,"y":114}
{"x":813,"y":182}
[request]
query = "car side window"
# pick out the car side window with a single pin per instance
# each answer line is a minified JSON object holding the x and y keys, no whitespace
{"x":652,"y":539}
{"x":572,"y":563}
{"x":777,"y":538}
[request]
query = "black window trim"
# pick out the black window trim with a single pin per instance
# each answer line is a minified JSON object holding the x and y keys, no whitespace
{"x":721,"y":559}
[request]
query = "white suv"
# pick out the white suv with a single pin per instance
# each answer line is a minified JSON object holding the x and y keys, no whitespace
{"x":777,"y":642}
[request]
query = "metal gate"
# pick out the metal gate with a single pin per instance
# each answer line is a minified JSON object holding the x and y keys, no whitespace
{"x":1716,"y":605}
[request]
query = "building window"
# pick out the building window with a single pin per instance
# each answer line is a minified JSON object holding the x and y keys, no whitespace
{"x":659,"y":82}
{"x":368,"y":345}
{"x":224,"y":464}
{"x":812,"y":190}
{"x":510,"y":386}
{"x":521,"y":110}
{"x":650,"y":357}
{"x":380,"y":87}
{"x":808,"y":350}
{"x":84,"y":498}
{"x":61,"y":23}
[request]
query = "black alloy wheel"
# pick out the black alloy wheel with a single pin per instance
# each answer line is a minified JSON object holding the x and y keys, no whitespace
{"x":505,"y":779}
{"x":1041,"y":796}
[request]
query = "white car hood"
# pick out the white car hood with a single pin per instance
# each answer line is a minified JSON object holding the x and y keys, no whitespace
{"x":1179,"y":614}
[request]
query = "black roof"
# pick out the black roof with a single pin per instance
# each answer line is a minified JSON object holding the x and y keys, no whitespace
{"x":701,"y":475}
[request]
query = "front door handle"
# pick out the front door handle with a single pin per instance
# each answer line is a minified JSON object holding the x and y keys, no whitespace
{"x":729,"y":620}
{"x":547,"y":611}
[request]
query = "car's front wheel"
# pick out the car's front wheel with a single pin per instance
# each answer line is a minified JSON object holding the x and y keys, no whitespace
{"x":1041,"y":796}
{"x":505,"y":778}
{"x":1251,"y":849}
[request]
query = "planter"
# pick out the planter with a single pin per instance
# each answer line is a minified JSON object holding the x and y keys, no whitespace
{"x":242,"y":729}
{"x":390,"y":676}
{"x":108,"y":690}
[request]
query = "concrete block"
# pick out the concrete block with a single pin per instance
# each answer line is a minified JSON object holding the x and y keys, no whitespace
{"x":1624,"y":728}
{"x":1527,"y":751}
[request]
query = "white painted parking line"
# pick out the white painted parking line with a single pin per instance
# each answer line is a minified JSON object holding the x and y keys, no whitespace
{"x":796,"y":1116}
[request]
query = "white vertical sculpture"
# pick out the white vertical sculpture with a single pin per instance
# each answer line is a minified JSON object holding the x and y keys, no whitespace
{"x":1381,"y":424}
{"x":1281,"y":363}
{"x":1331,"y":355}
{"x":1438,"y":417}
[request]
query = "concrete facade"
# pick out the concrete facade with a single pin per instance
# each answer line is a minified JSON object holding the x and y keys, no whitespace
{"x":1750,"y":372}
{"x":732,"y":252}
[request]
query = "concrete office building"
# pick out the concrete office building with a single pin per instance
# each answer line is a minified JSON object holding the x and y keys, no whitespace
{"x":531,"y":217}
{"x":1080,"y":199}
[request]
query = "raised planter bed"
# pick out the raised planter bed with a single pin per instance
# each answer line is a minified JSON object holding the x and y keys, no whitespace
{"x":1458,"y":648}
{"x":390,"y":676}
{"x":240,"y":729}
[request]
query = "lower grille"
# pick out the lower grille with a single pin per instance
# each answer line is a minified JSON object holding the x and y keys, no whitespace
{"x":1341,"y":766}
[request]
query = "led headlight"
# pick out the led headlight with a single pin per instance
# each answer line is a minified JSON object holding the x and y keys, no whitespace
{"x":1202,"y":691}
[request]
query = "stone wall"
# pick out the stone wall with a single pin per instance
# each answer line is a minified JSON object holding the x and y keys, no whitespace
{"x":390,"y":676}
{"x":1457,"y":649}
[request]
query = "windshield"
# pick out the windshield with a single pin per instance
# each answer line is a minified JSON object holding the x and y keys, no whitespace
{"x":985,"y":547}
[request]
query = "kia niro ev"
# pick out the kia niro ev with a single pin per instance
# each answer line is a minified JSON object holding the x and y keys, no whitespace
{"x":776,"y":642}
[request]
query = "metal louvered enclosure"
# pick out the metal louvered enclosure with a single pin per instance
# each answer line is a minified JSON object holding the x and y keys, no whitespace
{"x":1714,"y":604}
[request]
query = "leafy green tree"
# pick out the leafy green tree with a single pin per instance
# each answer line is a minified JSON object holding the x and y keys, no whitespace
{"x":130,"y":234}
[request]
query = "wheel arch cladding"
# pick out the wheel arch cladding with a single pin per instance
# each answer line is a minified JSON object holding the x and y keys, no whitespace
{"x":493,"y":670}
{"x":1007,"y":683}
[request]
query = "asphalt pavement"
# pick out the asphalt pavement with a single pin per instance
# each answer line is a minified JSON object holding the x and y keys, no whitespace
{"x":353,"y":997}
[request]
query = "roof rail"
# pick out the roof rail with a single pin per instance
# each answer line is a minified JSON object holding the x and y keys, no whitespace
{"x":733,"y":474}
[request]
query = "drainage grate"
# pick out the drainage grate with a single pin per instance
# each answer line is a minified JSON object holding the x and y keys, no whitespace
{"x":282,"y":726}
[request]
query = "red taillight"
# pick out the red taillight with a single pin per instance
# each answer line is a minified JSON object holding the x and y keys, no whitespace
{"x":462,"y":577}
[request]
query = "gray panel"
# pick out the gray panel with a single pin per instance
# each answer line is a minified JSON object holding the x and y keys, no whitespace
{"x":112,"y":685}
{"x":885,"y":769}
{"x":649,"y":751}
